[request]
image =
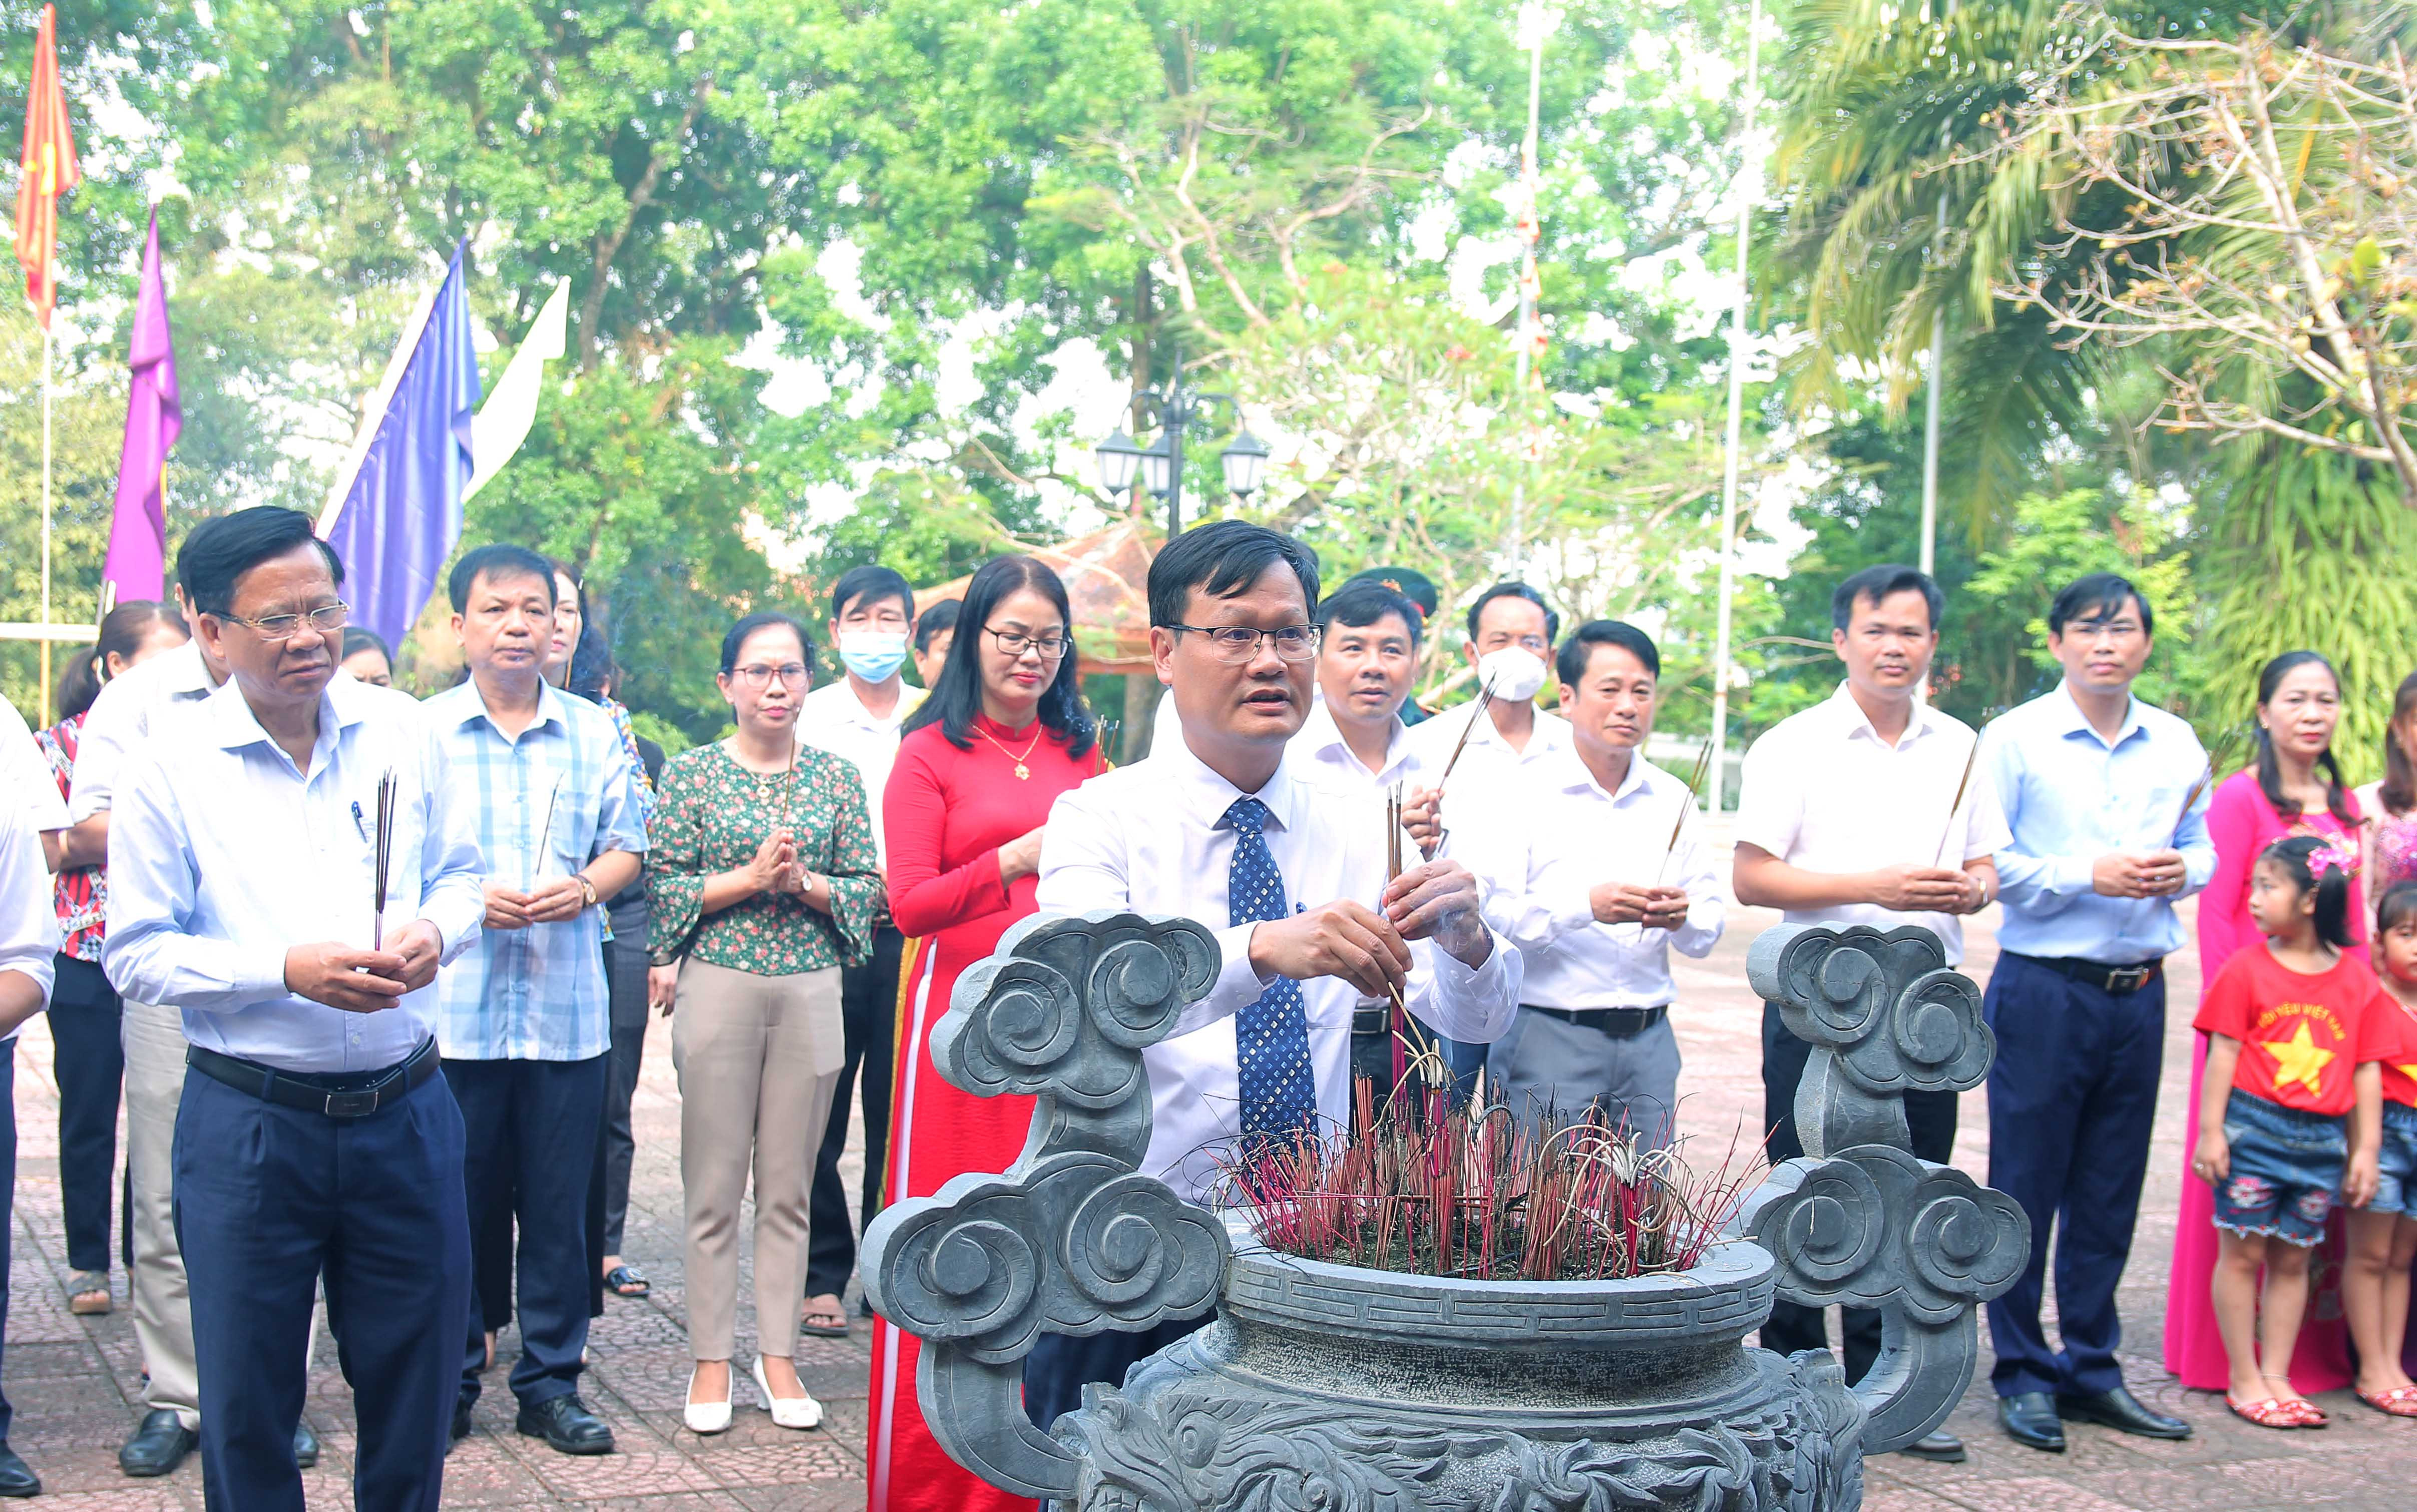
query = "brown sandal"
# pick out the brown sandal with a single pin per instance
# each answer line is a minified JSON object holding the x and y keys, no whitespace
{"x":2270,"y":1414}
{"x":88,"y":1293}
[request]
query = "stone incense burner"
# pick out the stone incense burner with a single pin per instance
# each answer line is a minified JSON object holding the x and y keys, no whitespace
{"x":1338,"y":1389}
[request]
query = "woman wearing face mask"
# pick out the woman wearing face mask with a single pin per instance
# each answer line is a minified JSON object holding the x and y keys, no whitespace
{"x":762,"y":885}
{"x":1003,"y":733}
{"x":856,"y":717}
{"x":2292,"y":787}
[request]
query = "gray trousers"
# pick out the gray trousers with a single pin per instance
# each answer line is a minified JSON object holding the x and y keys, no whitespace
{"x":1545,"y":1063}
{"x":154,"y":1041}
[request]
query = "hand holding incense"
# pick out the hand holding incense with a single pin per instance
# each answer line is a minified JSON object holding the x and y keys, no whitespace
{"x":384,"y":863}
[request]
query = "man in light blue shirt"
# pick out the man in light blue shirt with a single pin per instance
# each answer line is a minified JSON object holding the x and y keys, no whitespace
{"x":2093,"y":784}
{"x":523,"y":1015}
{"x":314,"y":1133}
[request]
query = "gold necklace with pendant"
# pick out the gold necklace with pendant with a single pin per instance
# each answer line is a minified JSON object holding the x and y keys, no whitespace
{"x":1023,"y":772}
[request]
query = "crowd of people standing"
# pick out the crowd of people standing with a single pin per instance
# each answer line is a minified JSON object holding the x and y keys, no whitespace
{"x":370,"y":977}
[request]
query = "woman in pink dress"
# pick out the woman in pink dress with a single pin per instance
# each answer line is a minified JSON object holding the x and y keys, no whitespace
{"x":2390,"y":805}
{"x":2293,"y":788}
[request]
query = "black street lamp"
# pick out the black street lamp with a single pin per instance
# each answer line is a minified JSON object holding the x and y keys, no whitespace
{"x":1173,"y":409}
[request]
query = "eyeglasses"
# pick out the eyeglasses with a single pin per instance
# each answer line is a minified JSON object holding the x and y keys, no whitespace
{"x":277,"y":628}
{"x":1015,"y":643}
{"x":792,"y":673}
{"x":1239,"y":645}
{"x":2103,"y":629}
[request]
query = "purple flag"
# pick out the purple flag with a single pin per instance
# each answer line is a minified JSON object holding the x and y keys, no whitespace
{"x":402,"y":510}
{"x":138,"y":531}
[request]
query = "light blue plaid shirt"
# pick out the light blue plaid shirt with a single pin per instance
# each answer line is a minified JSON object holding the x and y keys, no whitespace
{"x":535,"y":994}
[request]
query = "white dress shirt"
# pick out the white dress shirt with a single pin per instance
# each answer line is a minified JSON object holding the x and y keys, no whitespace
{"x":831,"y":718}
{"x":1487,"y":766}
{"x":29,"y":930}
{"x":1823,"y":791}
{"x":1320,"y":755}
{"x":121,"y":721}
{"x":26,"y":782}
{"x":1152,"y":838}
{"x":222,"y":854}
{"x":1539,"y":877}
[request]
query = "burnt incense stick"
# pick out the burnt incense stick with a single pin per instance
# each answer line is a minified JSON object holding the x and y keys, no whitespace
{"x":1971,"y":758}
{"x":2219,"y":755}
{"x":384,"y":863}
{"x":1679,"y":821}
{"x":1477,"y":711}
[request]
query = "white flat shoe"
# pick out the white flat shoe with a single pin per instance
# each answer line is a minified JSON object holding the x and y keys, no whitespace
{"x":707,"y":1417}
{"x":800,"y":1411}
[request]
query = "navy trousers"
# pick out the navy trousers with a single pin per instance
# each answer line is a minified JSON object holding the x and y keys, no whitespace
{"x":1061,"y":1365}
{"x":868,"y":1006}
{"x":90,"y":1065}
{"x":1930,"y":1120}
{"x":2071,"y":1098}
{"x":539,"y":1119}
{"x":270,"y":1199}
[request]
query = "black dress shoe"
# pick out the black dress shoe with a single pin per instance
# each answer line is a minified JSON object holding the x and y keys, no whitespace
{"x":306,"y":1447}
{"x":461,"y":1422}
{"x":17,"y":1478}
{"x":2122,"y":1412}
{"x":1942,"y":1448}
{"x":159,"y":1446}
{"x":566,"y":1425}
{"x":2029,"y":1419}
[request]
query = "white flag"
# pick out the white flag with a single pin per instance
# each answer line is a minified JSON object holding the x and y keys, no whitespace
{"x":503,"y":422}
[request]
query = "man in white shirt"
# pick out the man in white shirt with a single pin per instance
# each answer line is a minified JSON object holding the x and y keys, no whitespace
{"x":1867,"y":809}
{"x":1222,"y":829}
{"x":314,"y":1136}
{"x":29,"y":937}
{"x":1600,"y":876}
{"x":136,"y":708}
{"x":857,"y":717}
{"x":1510,"y":634}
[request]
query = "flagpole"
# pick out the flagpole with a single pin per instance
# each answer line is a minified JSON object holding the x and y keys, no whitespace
{"x":46,"y":524}
{"x":1722,"y":650}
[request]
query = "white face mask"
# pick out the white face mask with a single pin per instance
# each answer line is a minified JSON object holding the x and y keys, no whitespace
{"x":1517,"y":674}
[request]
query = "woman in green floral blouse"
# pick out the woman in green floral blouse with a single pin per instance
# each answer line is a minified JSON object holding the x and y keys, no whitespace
{"x":763,"y":881}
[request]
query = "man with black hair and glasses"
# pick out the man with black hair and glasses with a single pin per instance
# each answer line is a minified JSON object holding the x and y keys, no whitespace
{"x":1856,"y":812}
{"x":1225,"y":828}
{"x":523,"y":1016}
{"x":314,"y":1134}
{"x":857,"y":717}
{"x":2093,"y":781}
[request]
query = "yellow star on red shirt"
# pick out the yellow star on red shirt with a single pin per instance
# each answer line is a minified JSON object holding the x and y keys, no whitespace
{"x":2298,"y":1058}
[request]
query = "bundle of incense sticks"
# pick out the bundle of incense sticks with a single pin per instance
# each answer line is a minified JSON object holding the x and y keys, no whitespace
{"x":1476,"y":711}
{"x":1696,"y":775}
{"x":384,"y":861}
{"x":2219,"y":756}
{"x":1404,"y":1028}
{"x":1971,"y":758}
{"x":544,"y":830}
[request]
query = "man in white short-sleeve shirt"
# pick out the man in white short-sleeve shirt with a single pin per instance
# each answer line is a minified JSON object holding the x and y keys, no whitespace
{"x":1858,"y":811}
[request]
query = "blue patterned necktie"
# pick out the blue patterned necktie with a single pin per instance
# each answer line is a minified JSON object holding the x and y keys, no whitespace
{"x":1271,"y":1035}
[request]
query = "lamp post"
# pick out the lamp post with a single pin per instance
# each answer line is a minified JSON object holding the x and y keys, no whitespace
{"x":1173,"y":409}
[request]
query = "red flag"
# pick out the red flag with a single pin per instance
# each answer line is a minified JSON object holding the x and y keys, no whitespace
{"x":50,"y":171}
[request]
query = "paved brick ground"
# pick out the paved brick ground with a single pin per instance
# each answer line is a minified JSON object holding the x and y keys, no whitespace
{"x":73,"y":1380}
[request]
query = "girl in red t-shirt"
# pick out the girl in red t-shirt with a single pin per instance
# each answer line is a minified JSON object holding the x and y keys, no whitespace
{"x":2383,"y":1234}
{"x":2290,"y":1111}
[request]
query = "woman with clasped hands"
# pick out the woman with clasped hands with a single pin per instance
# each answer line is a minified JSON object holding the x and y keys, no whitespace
{"x":1003,"y":733}
{"x":763,"y":881}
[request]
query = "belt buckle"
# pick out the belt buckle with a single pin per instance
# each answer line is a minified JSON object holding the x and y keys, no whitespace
{"x":2129,"y":978}
{"x":358,"y":1102}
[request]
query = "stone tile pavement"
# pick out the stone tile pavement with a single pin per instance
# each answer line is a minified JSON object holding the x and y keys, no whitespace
{"x":73,"y":1380}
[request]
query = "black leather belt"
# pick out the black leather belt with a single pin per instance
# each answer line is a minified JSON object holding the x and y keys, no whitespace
{"x":338,"y":1094}
{"x":2119,"y":981}
{"x":1620,"y":1023}
{"x":1371,"y":1020}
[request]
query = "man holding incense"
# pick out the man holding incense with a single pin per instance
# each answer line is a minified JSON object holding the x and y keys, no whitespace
{"x":2106,"y":801}
{"x":1599,"y":875}
{"x":1223,"y":827}
{"x":1869,"y":808}
{"x":314,"y":1135}
{"x":524,"y":1014}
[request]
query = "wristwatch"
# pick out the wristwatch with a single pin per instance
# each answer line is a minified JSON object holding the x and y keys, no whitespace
{"x":587,"y":888}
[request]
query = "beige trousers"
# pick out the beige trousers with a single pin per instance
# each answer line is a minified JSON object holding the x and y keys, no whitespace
{"x":756,"y":1058}
{"x":154,"y":1042}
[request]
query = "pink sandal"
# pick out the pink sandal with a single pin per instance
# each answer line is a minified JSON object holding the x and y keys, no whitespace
{"x":2270,"y":1414}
